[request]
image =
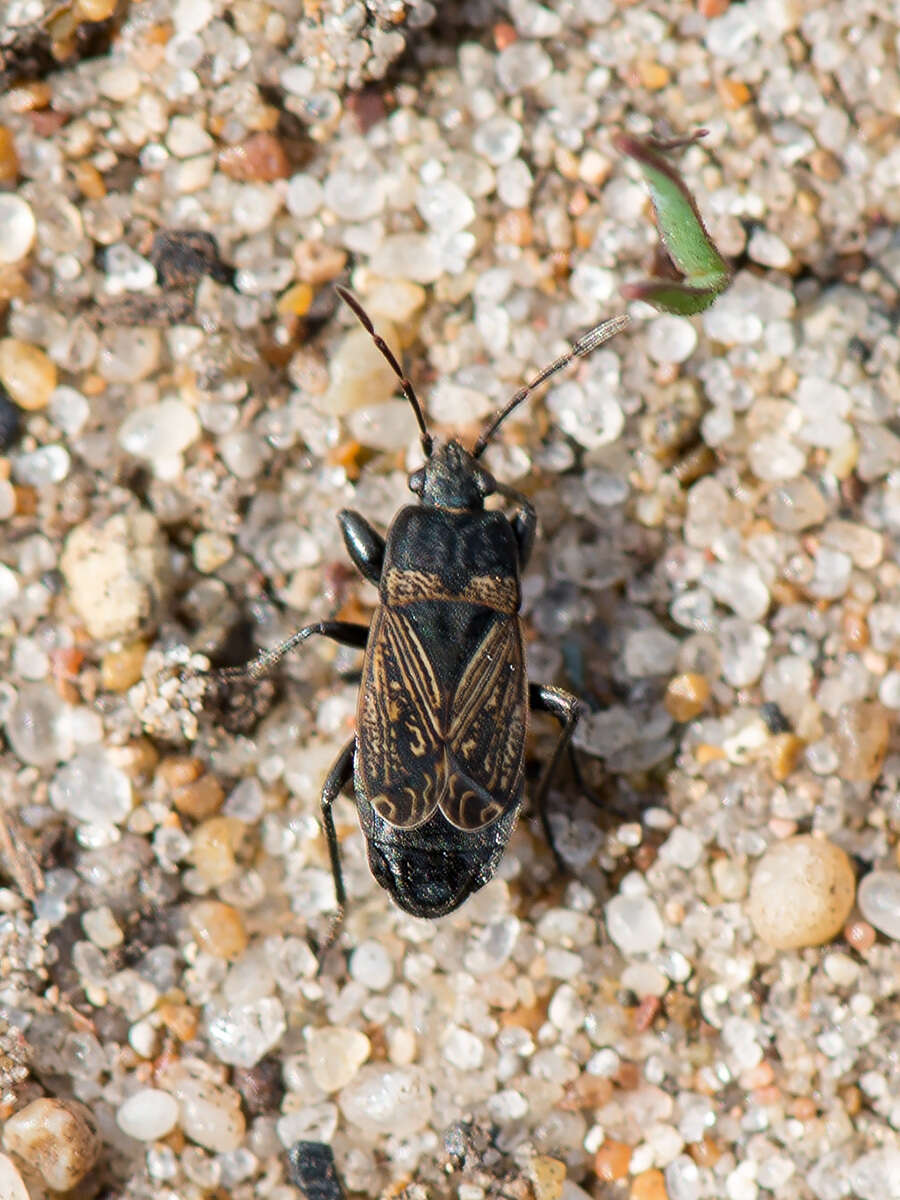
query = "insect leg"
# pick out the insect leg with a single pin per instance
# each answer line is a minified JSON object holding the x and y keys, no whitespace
{"x":364,"y":544}
{"x":523,"y":521}
{"x":344,"y":632}
{"x":337,"y":779}
{"x":566,"y":708}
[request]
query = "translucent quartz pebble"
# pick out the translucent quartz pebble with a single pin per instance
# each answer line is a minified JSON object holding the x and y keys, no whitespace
{"x":91,"y":789}
{"x":242,"y":1034}
{"x":879,"y":901}
{"x":634,"y":924}
{"x":445,"y":207}
{"x":801,"y":892}
{"x":159,"y":431}
{"x":383,"y":1099}
{"x":36,"y":726}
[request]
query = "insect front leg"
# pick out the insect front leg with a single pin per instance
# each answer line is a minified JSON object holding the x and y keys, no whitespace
{"x":344,"y":632}
{"x":337,"y":779}
{"x":523,"y":521}
{"x":364,"y":544}
{"x":566,"y":708}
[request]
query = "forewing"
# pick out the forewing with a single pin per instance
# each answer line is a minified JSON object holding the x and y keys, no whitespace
{"x":401,"y":756}
{"x":486,"y":730}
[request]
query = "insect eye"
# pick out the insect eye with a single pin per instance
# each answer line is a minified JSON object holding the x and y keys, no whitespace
{"x":416,"y":481}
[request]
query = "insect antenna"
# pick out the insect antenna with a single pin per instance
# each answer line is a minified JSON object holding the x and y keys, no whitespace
{"x":585,"y":345}
{"x":408,"y":390}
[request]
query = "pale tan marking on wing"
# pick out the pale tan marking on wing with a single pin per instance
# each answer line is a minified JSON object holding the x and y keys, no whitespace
{"x":499,"y":592}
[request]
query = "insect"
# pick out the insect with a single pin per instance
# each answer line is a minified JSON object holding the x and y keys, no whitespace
{"x":437,"y":760}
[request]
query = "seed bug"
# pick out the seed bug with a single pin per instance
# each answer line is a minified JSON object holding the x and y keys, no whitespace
{"x":437,"y":760}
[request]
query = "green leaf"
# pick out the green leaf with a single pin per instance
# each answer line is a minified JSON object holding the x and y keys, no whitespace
{"x":687,"y":242}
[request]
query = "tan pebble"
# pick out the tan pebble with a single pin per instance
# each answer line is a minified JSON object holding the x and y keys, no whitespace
{"x":734,"y":93}
{"x":359,"y":374}
{"x":801,"y":892}
{"x":56,"y":1137}
{"x":396,"y":300}
{"x":95,"y":10}
{"x":180,"y":1019}
{"x":587,"y":1091}
{"x":686,"y":696}
{"x":89,"y":181}
{"x":28,"y":97}
{"x":27,"y":373}
{"x":825,"y":165}
{"x":612,"y":1160}
{"x":317,"y":262}
{"x":705,"y":1153}
{"x":121,"y":669}
{"x":547,"y":1177}
{"x":653,"y":75}
{"x":860,"y":934}
{"x":649,"y":1185}
{"x":218,"y":928}
{"x":861,"y":739}
{"x":706,"y":753}
{"x":261,"y":158}
{"x":199,"y":799}
{"x":515,"y":228}
{"x":211,"y":551}
{"x":296,"y":300}
{"x":214,"y":843}
{"x":179,"y":769}
{"x":9,"y":159}
{"x":786,"y":749}
{"x":712,"y":8}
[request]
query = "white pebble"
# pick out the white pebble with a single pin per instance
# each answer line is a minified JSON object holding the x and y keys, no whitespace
{"x":879,"y":901}
{"x":634,"y":924}
{"x":463,"y":1049}
{"x":17,"y":228}
{"x":12,"y":1186}
{"x":335,"y":1056}
{"x":801,"y":892}
{"x":159,"y":431}
{"x":371,"y":966}
{"x":671,"y":339}
{"x":148,"y":1115}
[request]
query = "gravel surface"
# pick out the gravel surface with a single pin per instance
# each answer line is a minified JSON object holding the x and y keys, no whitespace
{"x":707,"y":1005}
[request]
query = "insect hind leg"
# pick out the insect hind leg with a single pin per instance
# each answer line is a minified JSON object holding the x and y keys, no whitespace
{"x":338,"y":777}
{"x":566,"y":708}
